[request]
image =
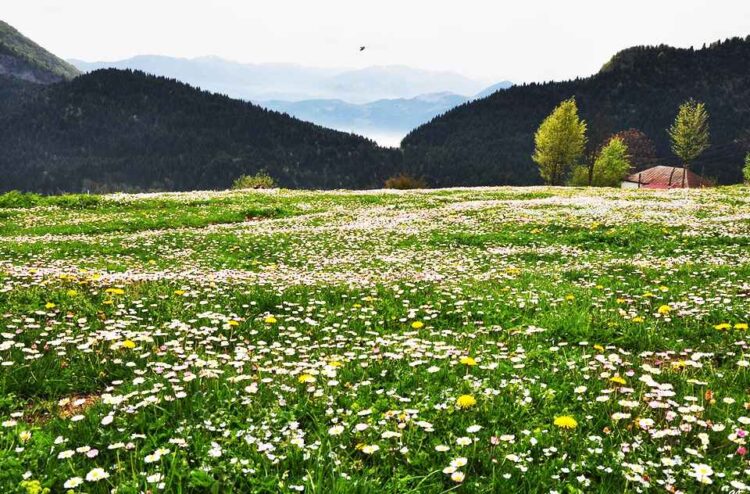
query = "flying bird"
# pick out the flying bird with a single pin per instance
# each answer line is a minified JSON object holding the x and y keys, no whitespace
{"x":361,"y":48}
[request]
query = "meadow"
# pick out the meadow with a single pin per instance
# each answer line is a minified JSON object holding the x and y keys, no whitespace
{"x":462,"y":340}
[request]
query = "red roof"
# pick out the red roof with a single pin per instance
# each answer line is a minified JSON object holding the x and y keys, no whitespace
{"x":668,"y":177}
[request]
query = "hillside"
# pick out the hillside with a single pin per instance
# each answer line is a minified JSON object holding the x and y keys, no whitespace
{"x":23,"y":59}
{"x":490,"y":141}
{"x":125,"y":130}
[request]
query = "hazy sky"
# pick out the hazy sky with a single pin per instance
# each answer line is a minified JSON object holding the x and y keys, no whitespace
{"x":523,"y":40}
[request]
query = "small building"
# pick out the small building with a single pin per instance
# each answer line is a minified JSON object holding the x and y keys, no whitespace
{"x":665,"y":177}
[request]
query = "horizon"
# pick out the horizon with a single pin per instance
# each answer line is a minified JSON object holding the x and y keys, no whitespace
{"x":534,"y":42}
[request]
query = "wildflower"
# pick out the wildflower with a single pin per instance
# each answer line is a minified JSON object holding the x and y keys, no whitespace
{"x":457,"y":477}
{"x":473,"y":428}
{"x":49,"y":305}
{"x":24,"y":436}
{"x":465,"y":401}
{"x":96,"y":475}
{"x":417,"y":325}
{"x":370,"y":449}
{"x":617,"y":380}
{"x":73,"y":482}
{"x":742,"y":326}
{"x":664,"y":310}
{"x":722,"y":327}
{"x":305,"y":378}
{"x":336,"y":430}
{"x":441,"y":448}
{"x":269,"y":320}
{"x":129,"y":344}
{"x":463,"y":441}
{"x":702,"y":473}
{"x":114,"y":291}
{"x":468,"y":361}
{"x":233,"y":323}
{"x":71,"y":293}
{"x":565,"y":422}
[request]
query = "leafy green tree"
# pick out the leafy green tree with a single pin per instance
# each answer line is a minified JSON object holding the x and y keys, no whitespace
{"x":689,"y":132}
{"x":609,"y":168}
{"x":559,"y":141}
{"x":746,"y":170}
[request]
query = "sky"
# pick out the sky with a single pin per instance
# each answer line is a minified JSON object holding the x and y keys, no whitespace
{"x":523,"y":41}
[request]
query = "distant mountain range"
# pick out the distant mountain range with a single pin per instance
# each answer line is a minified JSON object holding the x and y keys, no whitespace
{"x":383,"y":103}
{"x":125,"y":130}
{"x":490,"y":141}
{"x":289,"y":82}
{"x":23,"y":59}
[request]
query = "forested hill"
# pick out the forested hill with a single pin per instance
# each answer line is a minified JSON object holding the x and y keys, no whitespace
{"x":490,"y":141}
{"x":125,"y":130}
{"x":23,"y":59}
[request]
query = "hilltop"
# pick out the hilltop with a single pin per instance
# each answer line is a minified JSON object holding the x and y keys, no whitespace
{"x":23,"y":59}
{"x":490,"y":141}
{"x":125,"y":130}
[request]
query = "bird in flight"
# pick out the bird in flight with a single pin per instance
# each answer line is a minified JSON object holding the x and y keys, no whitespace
{"x":361,"y":48}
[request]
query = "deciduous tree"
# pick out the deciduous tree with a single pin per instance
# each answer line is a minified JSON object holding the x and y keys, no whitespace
{"x":559,"y":141}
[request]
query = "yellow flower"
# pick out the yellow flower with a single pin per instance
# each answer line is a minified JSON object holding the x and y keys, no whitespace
{"x":129,"y":344}
{"x":49,"y":305}
{"x":723,"y":326}
{"x":335,"y":363}
{"x":72,"y":293}
{"x":233,"y":323}
{"x":570,"y":297}
{"x":648,"y":294}
{"x":305,"y":378}
{"x":269,"y":320}
{"x":617,"y":380}
{"x":179,"y":292}
{"x":114,"y":291}
{"x":566,"y":422}
{"x":664,"y":309}
{"x":598,"y":348}
{"x":24,"y":436}
{"x":637,"y":319}
{"x":465,"y":401}
{"x":417,"y":325}
{"x":741,"y":326}
{"x":466,"y":360}
{"x":620,"y":300}
{"x":664,"y":288}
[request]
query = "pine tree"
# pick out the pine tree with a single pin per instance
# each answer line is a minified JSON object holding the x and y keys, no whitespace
{"x":559,"y":141}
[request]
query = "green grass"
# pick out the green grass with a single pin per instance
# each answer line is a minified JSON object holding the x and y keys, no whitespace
{"x":277,"y":340}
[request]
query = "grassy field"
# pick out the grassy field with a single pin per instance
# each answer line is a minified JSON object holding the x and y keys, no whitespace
{"x":468,"y":340}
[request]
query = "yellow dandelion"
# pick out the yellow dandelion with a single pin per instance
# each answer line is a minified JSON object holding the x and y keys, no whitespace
{"x":269,"y":320}
{"x":233,"y":323}
{"x":566,"y":422}
{"x":466,"y":360}
{"x":598,"y":348}
{"x":49,"y":305}
{"x":637,"y":319}
{"x":617,"y":380}
{"x":664,"y":309}
{"x":305,"y":378}
{"x":465,"y":401}
{"x":569,"y":297}
{"x":417,"y":325}
{"x":742,"y":326}
{"x":129,"y":344}
{"x":722,"y":327}
{"x":179,"y":292}
{"x":114,"y":291}
{"x":72,"y":293}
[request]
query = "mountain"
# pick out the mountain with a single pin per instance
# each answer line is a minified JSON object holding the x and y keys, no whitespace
{"x":490,"y":140}
{"x":21,"y":58}
{"x":493,"y":89}
{"x":289,"y":82}
{"x":126,"y":130}
{"x":390,"y":119}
